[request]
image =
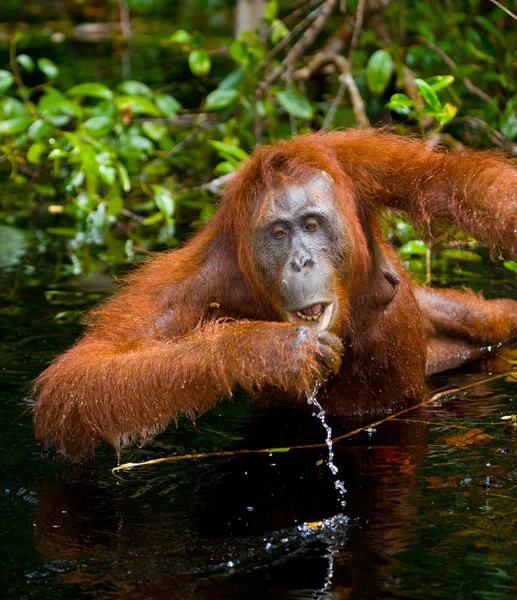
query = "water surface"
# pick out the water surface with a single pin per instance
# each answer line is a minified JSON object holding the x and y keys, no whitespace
{"x":430,"y":502}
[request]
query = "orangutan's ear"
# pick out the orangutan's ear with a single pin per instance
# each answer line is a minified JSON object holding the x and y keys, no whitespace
{"x":382,"y":284}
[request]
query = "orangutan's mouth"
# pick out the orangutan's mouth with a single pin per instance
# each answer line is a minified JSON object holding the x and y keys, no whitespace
{"x":317,"y":315}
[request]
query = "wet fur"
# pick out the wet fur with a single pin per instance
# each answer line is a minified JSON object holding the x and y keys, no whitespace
{"x":192,"y":323}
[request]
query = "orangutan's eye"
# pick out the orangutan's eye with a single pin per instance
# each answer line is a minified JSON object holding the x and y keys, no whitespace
{"x":311,"y":224}
{"x":279,"y":232}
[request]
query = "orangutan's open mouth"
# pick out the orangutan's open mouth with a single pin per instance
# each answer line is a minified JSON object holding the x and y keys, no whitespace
{"x":317,"y":315}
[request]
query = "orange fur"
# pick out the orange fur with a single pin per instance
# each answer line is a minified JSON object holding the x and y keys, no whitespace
{"x":192,"y":323}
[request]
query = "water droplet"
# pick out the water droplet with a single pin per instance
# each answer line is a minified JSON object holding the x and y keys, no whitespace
{"x":338,"y":484}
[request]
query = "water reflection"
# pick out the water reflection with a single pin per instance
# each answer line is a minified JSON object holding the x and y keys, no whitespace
{"x":245,"y":527}
{"x":430,"y":507}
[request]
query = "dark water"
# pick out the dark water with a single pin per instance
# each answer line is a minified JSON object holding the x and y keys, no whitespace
{"x":430,"y":504}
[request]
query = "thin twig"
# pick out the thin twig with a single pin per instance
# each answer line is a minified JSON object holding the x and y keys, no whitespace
{"x":508,"y":12}
{"x":496,"y":137}
{"x":133,"y":216}
{"x":193,"y":134}
{"x":125,"y":26}
{"x":472,"y":88}
{"x":433,"y":398}
{"x":343,"y":65}
{"x":285,"y":40}
{"x":215,"y":186}
{"x":13,"y":63}
{"x":306,"y":40}
{"x":180,"y":121}
{"x":296,"y":13}
{"x":428,"y":273}
{"x":359,"y":17}
{"x":125,"y":20}
{"x":329,"y":117}
{"x":356,"y":99}
{"x":289,"y":87}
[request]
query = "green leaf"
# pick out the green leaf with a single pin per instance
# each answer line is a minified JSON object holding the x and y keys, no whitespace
{"x":278,"y":31}
{"x":134,"y":88}
{"x":156,"y":168}
{"x":413,"y":247}
{"x":94,"y":90}
{"x":230,"y":149}
{"x":35,"y":151}
{"x":48,"y":67}
{"x":39,"y":129}
{"x":428,"y":94}
{"x":224,"y":168}
{"x":138,"y":105}
{"x":57,"y":153}
{"x":271,"y":10}
{"x":295,"y":104}
{"x":124,"y":177}
{"x":115,"y":202}
{"x":490,"y":27}
{"x":181,"y":37}
{"x":14,"y":243}
{"x":156,"y":131}
{"x":379,"y":71}
{"x":199,"y":62}
{"x":76,"y":178}
{"x":460,"y":254}
{"x":478,"y":53}
{"x":400,"y":104}
{"x":232,"y":81}
{"x":219,"y":99}
{"x":167,"y":104}
{"x":15,"y":125}
{"x":26,"y":62}
{"x":98,"y":125}
{"x":509,"y":119}
{"x":164,"y":200}
{"x":59,"y":120}
{"x":448,"y":113}
{"x":62,"y":231}
{"x":11,"y":107}
{"x":108,"y":174}
{"x":6,"y":80}
{"x":54,"y":102}
{"x":140,"y":142}
{"x":45,"y":190}
{"x":511,"y":265}
{"x":153,"y":219}
{"x":239,"y":53}
{"x":439,"y":82}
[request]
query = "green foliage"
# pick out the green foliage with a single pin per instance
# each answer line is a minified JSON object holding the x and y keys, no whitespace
{"x":117,"y":163}
{"x":426,"y":103}
{"x":295,"y":104}
{"x":379,"y":71}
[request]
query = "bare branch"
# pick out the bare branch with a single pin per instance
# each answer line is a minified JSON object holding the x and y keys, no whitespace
{"x":335,"y":104}
{"x":298,"y":11}
{"x":304,"y":42}
{"x":359,"y":17}
{"x":508,"y":12}
{"x":473,"y":89}
{"x":343,"y":65}
{"x":285,"y":40}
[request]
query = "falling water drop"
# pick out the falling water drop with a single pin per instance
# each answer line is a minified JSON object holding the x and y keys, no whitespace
{"x":338,"y":484}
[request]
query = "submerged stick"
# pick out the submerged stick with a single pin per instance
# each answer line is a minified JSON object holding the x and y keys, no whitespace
{"x":433,"y":398}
